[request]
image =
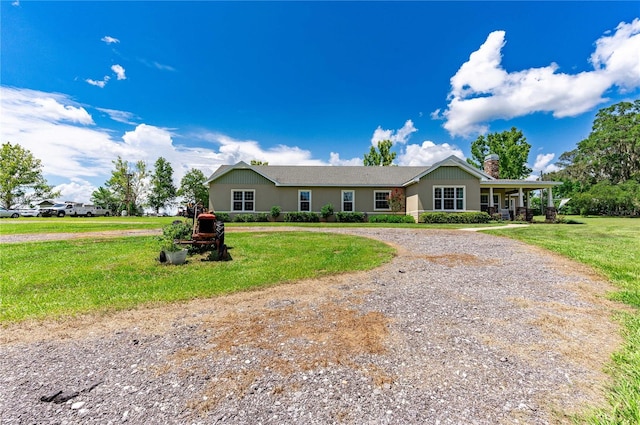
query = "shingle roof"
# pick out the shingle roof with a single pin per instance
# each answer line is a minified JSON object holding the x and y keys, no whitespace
{"x":315,"y":175}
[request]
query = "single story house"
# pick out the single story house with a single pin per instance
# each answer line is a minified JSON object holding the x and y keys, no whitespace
{"x":451,"y":185}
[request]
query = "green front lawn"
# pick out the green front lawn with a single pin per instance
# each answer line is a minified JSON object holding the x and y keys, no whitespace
{"x":56,"y":279}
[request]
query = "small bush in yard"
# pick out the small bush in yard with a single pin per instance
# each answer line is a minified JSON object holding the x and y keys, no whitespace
{"x":391,"y":218}
{"x":301,"y":217}
{"x":223,"y":216}
{"x":351,"y":217}
{"x":244,"y":218}
{"x":455,"y":218}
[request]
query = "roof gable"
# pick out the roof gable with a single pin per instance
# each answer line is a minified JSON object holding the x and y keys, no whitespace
{"x":454,"y":161}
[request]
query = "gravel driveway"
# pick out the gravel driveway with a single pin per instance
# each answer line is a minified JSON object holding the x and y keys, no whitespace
{"x":460,"y":328}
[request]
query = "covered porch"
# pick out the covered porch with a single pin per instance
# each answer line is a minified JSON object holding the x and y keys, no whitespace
{"x":511,"y":199}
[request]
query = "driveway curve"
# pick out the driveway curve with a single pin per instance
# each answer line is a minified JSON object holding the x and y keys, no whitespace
{"x":460,"y":327}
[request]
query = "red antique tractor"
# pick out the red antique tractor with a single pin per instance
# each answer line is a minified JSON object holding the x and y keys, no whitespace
{"x":208,"y":235}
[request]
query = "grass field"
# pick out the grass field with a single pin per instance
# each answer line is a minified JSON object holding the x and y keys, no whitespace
{"x":53,"y":279}
{"x":612,"y":247}
{"x":30,"y":225}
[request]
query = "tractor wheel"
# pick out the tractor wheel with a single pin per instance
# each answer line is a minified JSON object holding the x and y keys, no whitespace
{"x":220,"y":232}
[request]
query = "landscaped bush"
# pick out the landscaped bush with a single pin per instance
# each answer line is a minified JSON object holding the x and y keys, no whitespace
{"x":222,"y":216}
{"x":351,"y":217}
{"x":261,"y":217}
{"x":462,"y":217}
{"x":391,"y":218}
{"x":301,"y":217}
{"x":244,"y":218}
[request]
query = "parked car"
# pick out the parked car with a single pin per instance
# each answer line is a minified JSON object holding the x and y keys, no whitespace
{"x":31,"y":212}
{"x":9,"y":213}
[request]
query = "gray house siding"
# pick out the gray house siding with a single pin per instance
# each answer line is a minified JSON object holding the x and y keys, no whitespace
{"x":420,"y":196}
{"x":268,"y":195}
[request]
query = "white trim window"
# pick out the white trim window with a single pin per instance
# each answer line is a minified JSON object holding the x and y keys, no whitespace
{"x":381,"y":200}
{"x":484,"y":201}
{"x":348,"y":200}
{"x":304,"y":200}
{"x":449,"y":198}
{"x":243,"y":200}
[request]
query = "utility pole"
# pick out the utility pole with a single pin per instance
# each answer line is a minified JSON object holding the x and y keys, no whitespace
{"x":128,"y":200}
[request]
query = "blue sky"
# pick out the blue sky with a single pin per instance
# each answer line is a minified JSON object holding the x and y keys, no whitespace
{"x":209,"y":83}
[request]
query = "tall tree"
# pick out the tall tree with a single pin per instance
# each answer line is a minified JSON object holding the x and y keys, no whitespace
{"x":258,"y":162}
{"x":612,"y":150}
{"x":105,"y":198}
{"x":162,"y":190}
{"x":127,"y":183}
{"x":512,"y":148}
{"x":21,"y":180}
{"x":192,"y":187}
{"x":382,"y":156}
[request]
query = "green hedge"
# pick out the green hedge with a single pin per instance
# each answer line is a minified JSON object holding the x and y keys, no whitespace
{"x":462,"y":217}
{"x":244,"y":218}
{"x":351,"y":217}
{"x":222,"y":216}
{"x":250,"y":218}
{"x":391,"y":218}
{"x":301,"y":217}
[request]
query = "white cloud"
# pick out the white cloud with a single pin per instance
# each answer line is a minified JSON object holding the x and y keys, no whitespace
{"x":99,"y":83}
{"x":233,"y":150}
{"x":543,"y":163}
{"x":15,"y":3}
{"x":334,"y":159}
{"x":120,"y":116}
{"x":109,"y":40}
{"x":428,"y":153}
{"x":482,"y":91}
{"x":119,"y":71}
{"x":163,"y":67}
{"x":63,"y":135}
{"x":78,"y":190}
{"x":400,"y":135}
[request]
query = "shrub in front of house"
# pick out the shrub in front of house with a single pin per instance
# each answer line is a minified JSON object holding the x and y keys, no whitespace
{"x":391,"y":218}
{"x":455,"y":218}
{"x":351,"y":217}
{"x":244,"y":218}
{"x":223,"y":216}
{"x":301,"y":217}
{"x":261,"y":217}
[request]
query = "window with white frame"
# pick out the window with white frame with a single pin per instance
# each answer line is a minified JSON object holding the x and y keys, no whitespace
{"x":243,"y":200}
{"x":381,"y":200}
{"x":449,"y":198}
{"x":348,"y":200}
{"x":304,"y":200}
{"x":484,"y":201}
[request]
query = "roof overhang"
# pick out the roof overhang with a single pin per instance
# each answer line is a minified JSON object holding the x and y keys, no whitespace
{"x":516,"y":184}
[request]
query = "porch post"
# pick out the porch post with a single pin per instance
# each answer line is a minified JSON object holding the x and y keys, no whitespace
{"x":551,"y":211}
{"x":520,"y":199}
{"x":491,"y":198}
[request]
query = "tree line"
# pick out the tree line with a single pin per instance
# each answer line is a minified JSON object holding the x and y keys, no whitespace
{"x":131,"y":187}
{"x":601,"y":175}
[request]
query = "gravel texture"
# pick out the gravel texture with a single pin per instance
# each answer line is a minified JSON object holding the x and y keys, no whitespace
{"x":460,"y":328}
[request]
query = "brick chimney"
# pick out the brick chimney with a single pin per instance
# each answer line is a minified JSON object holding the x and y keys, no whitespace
{"x":492,"y":165}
